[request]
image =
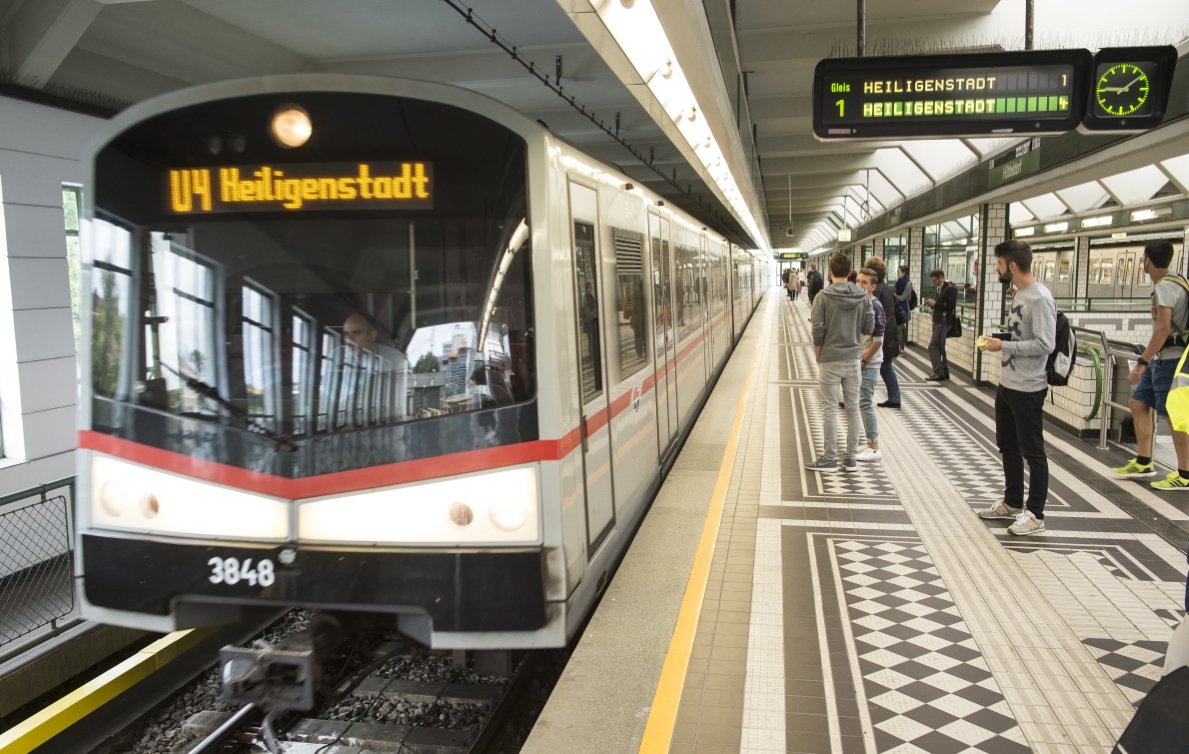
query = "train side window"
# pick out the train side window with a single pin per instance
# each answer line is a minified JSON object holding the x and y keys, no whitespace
{"x":1063,"y":275}
{"x":1104,"y":277}
{"x":632,"y":326}
{"x":588,"y":310}
{"x":1123,"y":279}
{"x":1049,"y":268}
{"x":259,"y":314}
{"x":303,"y":330}
{"x":328,"y":378}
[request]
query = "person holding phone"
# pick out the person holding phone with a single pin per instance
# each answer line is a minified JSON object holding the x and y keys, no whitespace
{"x":1020,"y":397}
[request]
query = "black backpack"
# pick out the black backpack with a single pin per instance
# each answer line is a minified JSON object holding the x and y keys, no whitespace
{"x":912,"y":299}
{"x":1065,"y":353}
{"x":1160,"y":725}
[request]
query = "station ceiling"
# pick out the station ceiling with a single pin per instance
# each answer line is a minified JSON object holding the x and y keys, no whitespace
{"x":128,"y":50}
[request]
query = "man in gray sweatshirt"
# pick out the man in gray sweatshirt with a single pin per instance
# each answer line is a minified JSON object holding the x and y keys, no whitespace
{"x":1023,"y":385}
{"x":842,"y":313}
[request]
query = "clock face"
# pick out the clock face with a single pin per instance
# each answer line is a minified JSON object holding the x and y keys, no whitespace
{"x":1122,"y":89}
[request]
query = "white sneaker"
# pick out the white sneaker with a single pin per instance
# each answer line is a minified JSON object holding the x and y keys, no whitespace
{"x":870,"y":454}
{"x":1026,"y":524}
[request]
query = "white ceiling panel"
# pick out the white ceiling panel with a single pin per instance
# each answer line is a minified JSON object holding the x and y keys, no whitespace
{"x":1085,"y":197}
{"x":1136,"y":186}
{"x":1045,"y":206}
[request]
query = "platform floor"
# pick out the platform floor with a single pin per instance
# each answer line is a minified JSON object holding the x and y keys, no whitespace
{"x":875,"y":612}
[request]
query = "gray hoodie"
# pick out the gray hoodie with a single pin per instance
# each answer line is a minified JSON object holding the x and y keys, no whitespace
{"x":842,"y":314}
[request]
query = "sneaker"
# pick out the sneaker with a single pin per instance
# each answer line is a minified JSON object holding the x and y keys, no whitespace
{"x":823,"y":464}
{"x":870,"y":454}
{"x":1001,"y":510}
{"x":1171,"y":482}
{"x":934,"y":378}
{"x":889,"y":404}
{"x":1026,"y":524}
{"x":1136,"y":470}
{"x":850,"y":464}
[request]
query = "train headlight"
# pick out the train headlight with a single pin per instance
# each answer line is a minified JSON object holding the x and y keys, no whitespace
{"x":137,"y":498}
{"x":496,"y":507}
{"x":508,"y":513}
{"x":291,"y":126}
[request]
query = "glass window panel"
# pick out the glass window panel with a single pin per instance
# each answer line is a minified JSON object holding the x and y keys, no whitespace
{"x":689,"y":316}
{"x":632,"y":325}
{"x":590,"y":356}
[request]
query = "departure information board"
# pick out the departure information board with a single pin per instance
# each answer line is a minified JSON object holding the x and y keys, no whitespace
{"x":300,"y":187}
{"x":950,"y":95}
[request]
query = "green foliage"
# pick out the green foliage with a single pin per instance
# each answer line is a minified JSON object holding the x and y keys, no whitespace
{"x":427,"y":363}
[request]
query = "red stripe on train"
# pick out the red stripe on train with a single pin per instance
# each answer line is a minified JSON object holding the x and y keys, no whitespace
{"x":338,"y":482}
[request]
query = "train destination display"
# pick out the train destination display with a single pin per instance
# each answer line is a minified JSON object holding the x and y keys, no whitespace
{"x":299,"y":187}
{"x":950,"y":95}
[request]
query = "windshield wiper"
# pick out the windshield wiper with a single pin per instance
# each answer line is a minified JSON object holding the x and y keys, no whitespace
{"x":209,"y":392}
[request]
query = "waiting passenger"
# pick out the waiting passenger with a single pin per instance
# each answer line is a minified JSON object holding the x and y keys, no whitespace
{"x":891,"y":339}
{"x":815,"y":283}
{"x":1153,"y":372}
{"x":841,"y":315}
{"x":904,"y":294}
{"x":1023,"y":385}
{"x":944,"y":307}
{"x":870,"y":360}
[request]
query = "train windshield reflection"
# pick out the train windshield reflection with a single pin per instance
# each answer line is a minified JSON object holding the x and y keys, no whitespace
{"x":307,"y":326}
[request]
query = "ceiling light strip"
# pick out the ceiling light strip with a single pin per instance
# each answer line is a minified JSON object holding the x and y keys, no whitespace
{"x":638,"y":31}
{"x":488,"y":31}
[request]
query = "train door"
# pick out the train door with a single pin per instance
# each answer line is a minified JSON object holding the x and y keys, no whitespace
{"x":592,"y":374}
{"x":1125,"y":273}
{"x":1064,"y":284}
{"x":705,"y":270}
{"x":664,"y":330}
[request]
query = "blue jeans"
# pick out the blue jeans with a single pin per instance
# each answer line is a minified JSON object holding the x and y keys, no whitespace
{"x":867,"y":404}
{"x":890,"y":380}
{"x":1154,"y":385}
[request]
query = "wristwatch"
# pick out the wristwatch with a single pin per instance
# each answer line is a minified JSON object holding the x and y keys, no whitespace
{"x":1141,"y":361}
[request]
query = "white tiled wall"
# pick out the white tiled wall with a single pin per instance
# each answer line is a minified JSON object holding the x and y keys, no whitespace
{"x":39,"y":151}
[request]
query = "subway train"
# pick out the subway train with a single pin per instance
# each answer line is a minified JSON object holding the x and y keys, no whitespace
{"x":379,"y":346}
{"x":1115,"y":271}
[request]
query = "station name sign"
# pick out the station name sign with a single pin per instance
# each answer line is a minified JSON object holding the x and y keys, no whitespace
{"x":299,"y":187}
{"x":794,"y":255}
{"x":985,"y":94}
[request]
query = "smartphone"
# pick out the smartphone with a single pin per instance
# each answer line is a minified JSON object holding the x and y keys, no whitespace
{"x":1001,"y":335}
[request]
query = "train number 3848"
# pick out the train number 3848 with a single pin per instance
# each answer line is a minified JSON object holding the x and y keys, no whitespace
{"x":231,"y":571}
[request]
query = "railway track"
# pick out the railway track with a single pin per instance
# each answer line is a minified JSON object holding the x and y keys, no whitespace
{"x":370,"y":690}
{"x":374,"y":713}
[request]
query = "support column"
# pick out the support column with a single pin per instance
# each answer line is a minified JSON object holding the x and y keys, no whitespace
{"x":877,"y":251}
{"x":916,"y":257}
{"x":1081,"y":268}
{"x":993,"y":231}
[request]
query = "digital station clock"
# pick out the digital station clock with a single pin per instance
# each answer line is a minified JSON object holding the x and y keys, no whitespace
{"x":1129,"y":88}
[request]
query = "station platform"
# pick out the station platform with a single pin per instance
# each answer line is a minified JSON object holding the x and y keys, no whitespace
{"x":765,"y":608}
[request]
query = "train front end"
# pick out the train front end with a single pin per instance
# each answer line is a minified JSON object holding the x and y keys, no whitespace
{"x":309,"y":373}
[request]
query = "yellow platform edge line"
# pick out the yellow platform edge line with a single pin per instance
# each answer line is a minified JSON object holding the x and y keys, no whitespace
{"x":34,"y":731}
{"x":662,"y":717}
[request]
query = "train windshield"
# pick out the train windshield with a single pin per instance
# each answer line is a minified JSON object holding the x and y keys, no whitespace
{"x":377,"y":274}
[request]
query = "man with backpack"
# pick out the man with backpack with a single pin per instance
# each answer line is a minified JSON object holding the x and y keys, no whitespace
{"x":906,"y":299}
{"x":815,"y":282}
{"x":1023,"y":385}
{"x":1153,"y":372}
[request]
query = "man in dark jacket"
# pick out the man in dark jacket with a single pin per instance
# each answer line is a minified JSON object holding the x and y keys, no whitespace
{"x":891,"y":338}
{"x":944,"y":309}
{"x":815,"y":282}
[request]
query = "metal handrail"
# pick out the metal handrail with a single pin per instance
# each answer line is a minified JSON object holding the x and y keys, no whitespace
{"x":1092,"y":352}
{"x":1110,"y":349}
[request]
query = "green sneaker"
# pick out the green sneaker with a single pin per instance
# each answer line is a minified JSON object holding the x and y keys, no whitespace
{"x":1171,"y":482}
{"x":1134,"y":470}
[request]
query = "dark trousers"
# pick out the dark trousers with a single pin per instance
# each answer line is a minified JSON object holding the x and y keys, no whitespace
{"x":941,"y":366}
{"x":888,"y":373}
{"x":1019,"y":432}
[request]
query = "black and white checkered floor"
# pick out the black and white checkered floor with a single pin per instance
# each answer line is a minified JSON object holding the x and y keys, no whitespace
{"x":903,"y":668}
